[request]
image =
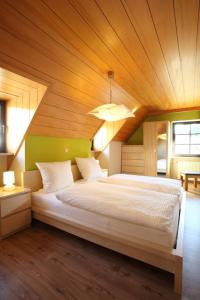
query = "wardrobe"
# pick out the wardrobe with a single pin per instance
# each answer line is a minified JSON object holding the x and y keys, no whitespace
{"x":153,"y":157}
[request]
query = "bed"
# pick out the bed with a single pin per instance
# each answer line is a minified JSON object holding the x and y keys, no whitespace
{"x":158,"y":184}
{"x":151,"y":245}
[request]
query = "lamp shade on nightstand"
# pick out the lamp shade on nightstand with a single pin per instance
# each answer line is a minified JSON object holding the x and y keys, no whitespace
{"x":9,"y":180}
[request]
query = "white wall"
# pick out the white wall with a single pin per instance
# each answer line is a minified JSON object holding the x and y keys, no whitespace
{"x":115,"y":161}
{"x":18,"y":165}
{"x":110,"y":158}
{"x":3,"y":167}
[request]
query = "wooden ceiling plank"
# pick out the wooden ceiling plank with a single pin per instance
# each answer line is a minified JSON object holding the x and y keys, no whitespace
{"x":49,"y":131}
{"x":146,"y":30}
{"x":63,"y":114}
{"x":66,"y":103}
{"x":55,"y":86}
{"x":164,"y":20}
{"x":94,"y":43}
{"x":19,"y":80}
{"x":117,"y":16}
{"x":16,"y":83}
{"x":186,"y":14}
{"x":41,"y":41}
{"x":70,"y":60}
{"x":43,"y":63}
{"x":56,"y":123}
{"x":103,"y":29}
{"x":28,"y":9}
{"x":197,"y":66}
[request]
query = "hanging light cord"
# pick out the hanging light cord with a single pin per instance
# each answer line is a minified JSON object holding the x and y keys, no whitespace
{"x":110,"y":90}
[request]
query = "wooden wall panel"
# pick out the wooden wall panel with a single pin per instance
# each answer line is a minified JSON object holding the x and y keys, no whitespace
{"x":23,"y":98}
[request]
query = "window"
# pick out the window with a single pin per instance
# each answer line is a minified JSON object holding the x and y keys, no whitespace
{"x":186,"y":138}
{"x":2,"y":127}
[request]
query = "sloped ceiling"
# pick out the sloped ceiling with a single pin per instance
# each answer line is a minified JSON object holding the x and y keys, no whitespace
{"x":153,"y":47}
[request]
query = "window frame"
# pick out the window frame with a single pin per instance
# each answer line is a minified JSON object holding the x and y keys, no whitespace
{"x":173,"y":138}
{"x":3,"y":124}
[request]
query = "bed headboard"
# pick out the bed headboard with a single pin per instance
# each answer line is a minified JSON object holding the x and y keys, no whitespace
{"x":33,"y":180}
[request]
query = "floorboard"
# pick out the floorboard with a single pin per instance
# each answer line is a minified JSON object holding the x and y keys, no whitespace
{"x":44,"y":263}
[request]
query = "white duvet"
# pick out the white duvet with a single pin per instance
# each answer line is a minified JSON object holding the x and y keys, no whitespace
{"x":147,"y":208}
{"x":159,"y":184}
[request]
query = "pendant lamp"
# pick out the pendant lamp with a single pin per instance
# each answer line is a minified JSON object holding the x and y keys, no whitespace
{"x":112,"y":112}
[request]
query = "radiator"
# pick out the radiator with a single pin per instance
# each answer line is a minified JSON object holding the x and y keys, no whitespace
{"x":184,"y":164}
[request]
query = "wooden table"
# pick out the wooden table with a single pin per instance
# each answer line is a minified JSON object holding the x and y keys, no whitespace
{"x":186,"y":175}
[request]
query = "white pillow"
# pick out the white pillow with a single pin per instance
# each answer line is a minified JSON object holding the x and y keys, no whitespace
{"x":55,"y":175}
{"x":89,"y":168}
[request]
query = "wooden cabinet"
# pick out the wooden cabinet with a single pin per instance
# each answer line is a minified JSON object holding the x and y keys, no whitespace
{"x":133,"y":159}
{"x":15,"y":210}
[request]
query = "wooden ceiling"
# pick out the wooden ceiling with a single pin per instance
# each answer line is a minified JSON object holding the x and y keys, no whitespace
{"x":153,"y":46}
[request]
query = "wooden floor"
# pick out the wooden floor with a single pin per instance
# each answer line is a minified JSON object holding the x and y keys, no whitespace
{"x":45,"y":263}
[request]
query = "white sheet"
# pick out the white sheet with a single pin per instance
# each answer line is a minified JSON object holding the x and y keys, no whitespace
{"x":158,"y":184}
{"x":49,"y":205}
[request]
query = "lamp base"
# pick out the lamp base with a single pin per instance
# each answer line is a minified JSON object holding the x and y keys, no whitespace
{"x":8,"y":188}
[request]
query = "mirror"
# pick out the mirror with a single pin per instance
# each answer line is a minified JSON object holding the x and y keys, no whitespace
{"x":162,"y":149}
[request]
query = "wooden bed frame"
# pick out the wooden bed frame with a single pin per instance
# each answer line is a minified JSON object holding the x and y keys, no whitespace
{"x":168,"y":260}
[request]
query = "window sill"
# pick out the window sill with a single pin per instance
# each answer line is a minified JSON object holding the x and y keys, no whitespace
{"x":6,"y":154}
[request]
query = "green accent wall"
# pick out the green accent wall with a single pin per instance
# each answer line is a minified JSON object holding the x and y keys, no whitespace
{"x":137,"y":137}
{"x":49,"y":149}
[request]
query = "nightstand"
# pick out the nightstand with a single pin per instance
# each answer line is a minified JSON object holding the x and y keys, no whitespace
{"x":15,"y":210}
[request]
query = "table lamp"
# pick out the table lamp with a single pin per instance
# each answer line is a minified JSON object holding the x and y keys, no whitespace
{"x":9,"y":180}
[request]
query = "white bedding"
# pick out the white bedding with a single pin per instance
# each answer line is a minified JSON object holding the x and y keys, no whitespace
{"x":141,"y":207}
{"x":49,"y":205}
{"x":158,"y":184}
{"x":161,"y":165}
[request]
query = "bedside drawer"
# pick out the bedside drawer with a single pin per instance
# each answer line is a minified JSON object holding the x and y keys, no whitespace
{"x":14,"y":204}
{"x":15,"y":222}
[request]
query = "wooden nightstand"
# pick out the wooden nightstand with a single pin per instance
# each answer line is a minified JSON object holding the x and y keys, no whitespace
{"x":15,"y":210}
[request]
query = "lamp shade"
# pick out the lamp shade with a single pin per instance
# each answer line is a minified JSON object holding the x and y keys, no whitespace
{"x":8,"y":178}
{"x":162,"y":136}
{"x":112,"y":112}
